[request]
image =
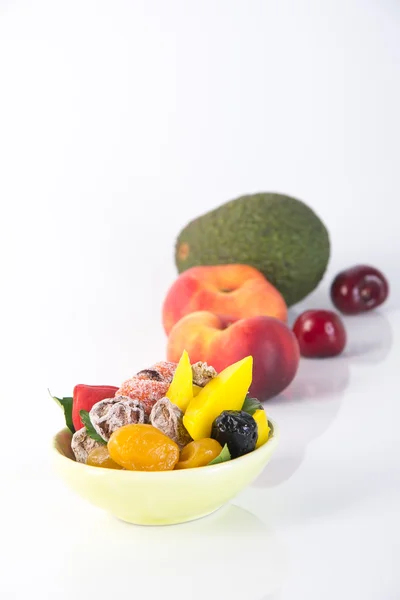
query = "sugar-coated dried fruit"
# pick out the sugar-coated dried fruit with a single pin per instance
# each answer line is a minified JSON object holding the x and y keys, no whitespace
{"x":149,"y":374}
{"x":112,"y":413}
{"x":147,"y":391}
{"x":167,"y":417}
{"x":143,"y":448}
{"x":238,"y":430}
{"x":199,"y":453}
{"x":165,"y":369}
{"x":173,"y":416}
{"x":82,"y":444}
{"x":100,"y":457}
{"x":149,"y":385}
{"x":202,"y":373}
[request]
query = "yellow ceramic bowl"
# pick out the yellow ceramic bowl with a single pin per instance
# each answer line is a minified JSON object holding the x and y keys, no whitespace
{"x":161,"y":498}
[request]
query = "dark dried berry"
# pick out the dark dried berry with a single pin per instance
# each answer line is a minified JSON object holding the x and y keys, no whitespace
{"x":238,"y":430}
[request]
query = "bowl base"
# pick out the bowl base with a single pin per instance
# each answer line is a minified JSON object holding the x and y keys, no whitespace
{"x":165,"y":522}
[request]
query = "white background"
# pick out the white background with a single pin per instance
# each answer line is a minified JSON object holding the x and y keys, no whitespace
{"x":119,"y":122}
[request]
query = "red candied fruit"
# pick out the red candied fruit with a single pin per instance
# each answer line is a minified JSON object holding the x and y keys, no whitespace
{"x":150,"y":385}
{"x":165,"y":369}
{"x":147,"y":391}
{"x":161,"y":371}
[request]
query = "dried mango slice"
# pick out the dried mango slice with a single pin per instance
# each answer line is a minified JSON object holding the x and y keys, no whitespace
{"x":180,"y":392}
{"x":196,"y":390}
{"x":260,"y":417}
{"x":227,"y":391}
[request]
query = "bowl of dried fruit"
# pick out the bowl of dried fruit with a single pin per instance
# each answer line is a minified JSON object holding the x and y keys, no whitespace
{"x":174,"y":443}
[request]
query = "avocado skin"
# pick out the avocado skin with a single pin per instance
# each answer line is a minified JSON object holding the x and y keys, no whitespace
{"x":277,"y":234}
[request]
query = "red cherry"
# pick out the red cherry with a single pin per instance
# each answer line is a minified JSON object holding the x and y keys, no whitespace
{"x":320,"y":333}
{"x":359,"y":289}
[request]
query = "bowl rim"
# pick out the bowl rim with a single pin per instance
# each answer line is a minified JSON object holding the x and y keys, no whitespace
{"x":264,"y":449}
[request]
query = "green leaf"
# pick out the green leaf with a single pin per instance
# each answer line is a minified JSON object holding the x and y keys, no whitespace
{"x":89,"y":427}
{"x":223,"y":456}
{"x":66,"y":405}
{"x":251,"y":405}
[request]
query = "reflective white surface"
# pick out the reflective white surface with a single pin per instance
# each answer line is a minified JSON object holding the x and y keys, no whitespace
{"x":322,"y":521}
{"x":119,"y":122}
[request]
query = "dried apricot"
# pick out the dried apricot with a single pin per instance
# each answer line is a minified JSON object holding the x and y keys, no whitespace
{"x":199,"y":453}
{"x":143,"y":448}
{"x":100,"y":457}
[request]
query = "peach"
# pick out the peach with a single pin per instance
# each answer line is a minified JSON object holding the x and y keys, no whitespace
{"x":221,"y":341}
{"x":239,"y":291}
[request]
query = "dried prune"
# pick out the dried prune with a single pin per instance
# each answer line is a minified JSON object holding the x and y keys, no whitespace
{"x":238,"y":430}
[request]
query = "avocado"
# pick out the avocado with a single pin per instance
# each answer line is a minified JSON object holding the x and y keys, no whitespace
{"x":277,"y":234}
